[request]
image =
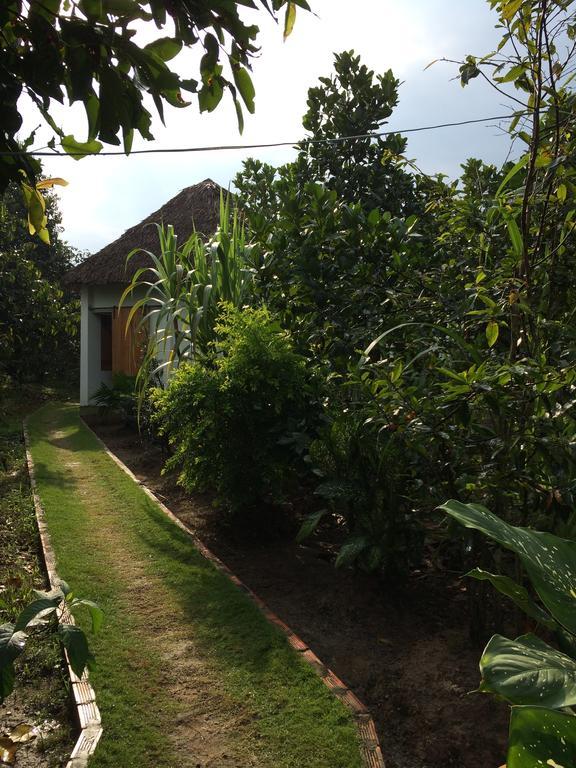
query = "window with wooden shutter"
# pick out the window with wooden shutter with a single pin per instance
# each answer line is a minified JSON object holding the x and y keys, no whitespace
{"x":128,"y":342}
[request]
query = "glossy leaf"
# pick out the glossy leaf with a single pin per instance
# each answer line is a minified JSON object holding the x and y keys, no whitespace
{"x":289,"y":19}
{"x":49,"y":183}
{"x":74,"y":641}
{"x":78,"y":149}
{"x":351,"y":551}
{"x":166,"y":48}
{"x":43,"y":606}
{"x":11,"y":646}
{"x":528,"y":671}
{"x":96,"y":613}
{"x":246,"y":88}
{"x":549,"y":560}
{"x":309,"y":525}
{"x":511,"y":8}
{"x":517,"y":593}
{"x":492,"y":331}
{"x":541,"y":738}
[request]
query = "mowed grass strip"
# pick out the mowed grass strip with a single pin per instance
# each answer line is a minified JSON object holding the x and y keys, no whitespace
{"x":188,"y":670}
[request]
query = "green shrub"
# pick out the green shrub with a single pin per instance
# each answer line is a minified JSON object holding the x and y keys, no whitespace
{"x":363,"y":483}
{"x":120,"y":398}
{"x":231,"y":419}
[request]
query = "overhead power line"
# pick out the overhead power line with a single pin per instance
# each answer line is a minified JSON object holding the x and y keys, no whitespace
{"x":268,"y":145}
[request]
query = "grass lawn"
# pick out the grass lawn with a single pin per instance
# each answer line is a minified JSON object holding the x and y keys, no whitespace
{"x":189,"y":673}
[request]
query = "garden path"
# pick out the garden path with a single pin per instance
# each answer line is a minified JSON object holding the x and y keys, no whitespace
{"x":189,"y":674}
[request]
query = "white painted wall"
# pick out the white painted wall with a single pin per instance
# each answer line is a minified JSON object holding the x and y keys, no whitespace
{"x":90,"y":374}
{"x":95,"y":299}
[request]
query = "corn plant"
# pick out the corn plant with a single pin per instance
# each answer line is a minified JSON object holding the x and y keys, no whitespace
{"x":538,"y":680}
{"x":183,"y":289}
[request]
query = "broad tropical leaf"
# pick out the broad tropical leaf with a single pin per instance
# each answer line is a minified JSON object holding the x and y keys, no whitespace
{"x":309,"y":525}
{"x":528,"y":671}
{"x":96,"y":613}
{"x":515,"y":592}
{"x":39,"y":608}
{"x":549,"y":560}
{"x":351,"y":551}
{"x":541,"y":737}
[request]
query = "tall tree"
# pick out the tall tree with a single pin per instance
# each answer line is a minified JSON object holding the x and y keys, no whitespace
{"x":354,"y":101}
{"x":38,"y":321}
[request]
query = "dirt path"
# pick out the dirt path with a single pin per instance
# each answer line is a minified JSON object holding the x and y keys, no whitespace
{"x":174,"y":660}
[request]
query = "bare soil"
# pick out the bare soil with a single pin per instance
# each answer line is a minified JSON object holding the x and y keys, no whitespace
{"x":40,"y":699}
{"x":406,"y":653}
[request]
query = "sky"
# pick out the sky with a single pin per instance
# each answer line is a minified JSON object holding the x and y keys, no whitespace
{"x":106,"y":195}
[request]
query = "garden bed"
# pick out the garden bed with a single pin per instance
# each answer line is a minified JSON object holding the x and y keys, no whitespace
{"x":406,"y":653}
{"x":40,"y":699}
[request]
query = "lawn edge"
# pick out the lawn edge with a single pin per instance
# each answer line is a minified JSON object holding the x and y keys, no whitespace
{"x":370,"y":748}
{"x":87,"y":713}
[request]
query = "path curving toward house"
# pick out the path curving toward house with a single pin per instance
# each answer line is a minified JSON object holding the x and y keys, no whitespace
{"x":189,"y":673}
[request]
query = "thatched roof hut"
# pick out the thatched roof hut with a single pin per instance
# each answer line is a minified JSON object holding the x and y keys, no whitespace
{"x":196,"y":207}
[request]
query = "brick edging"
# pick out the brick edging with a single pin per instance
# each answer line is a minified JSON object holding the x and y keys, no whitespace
{"x":369,"y":743}
{"x":87,"y":712}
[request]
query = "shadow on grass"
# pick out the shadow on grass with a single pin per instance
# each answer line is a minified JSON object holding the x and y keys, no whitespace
{"x":235,"y":629}
{"x":57,"y":478}
{"x":59,"y":425}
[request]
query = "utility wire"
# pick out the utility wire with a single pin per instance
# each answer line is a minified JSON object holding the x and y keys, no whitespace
{"x":335,"y":140}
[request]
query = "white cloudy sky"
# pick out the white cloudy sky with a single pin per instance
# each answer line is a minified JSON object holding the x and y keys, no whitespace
{"x":108,"y":194}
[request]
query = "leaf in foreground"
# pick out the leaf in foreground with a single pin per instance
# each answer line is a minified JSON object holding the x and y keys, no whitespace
{"x":541,"y":737}
{"x":528,"y":671}
{"x":549,"y":560}
{"x":8,"y":751}
{"x":23,"y":733}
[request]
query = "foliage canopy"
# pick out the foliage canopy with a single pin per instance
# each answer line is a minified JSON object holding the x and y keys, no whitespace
{"x":84,"y":51}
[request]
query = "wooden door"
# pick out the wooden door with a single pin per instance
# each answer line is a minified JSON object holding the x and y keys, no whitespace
{"x":128,"y":344}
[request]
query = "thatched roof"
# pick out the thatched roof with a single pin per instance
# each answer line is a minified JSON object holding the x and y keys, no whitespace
{"x":196,"y":207}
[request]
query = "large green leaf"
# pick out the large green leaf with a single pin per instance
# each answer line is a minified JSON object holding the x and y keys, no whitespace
{"x":11,"y":646}
{"x":528,"y":671}
{"x":74,"y":640}
{"x":549,"y":560}
{"x":515,"y":592}
{"x":541,"y":738}
{"x":245,"y":86}
{"x":79,"y":149}
{"x":289,"y":19}
{"x":96,"y":613}
{"x":12,"y":643}
{"x":7,"y":676}
{"x":310,"y":524}
{"x":351,"y":551}
{"x":165,"y":48}
{"x":43,"y":607}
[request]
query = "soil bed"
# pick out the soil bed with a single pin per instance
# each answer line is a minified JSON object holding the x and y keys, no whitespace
{"x":40,"y":698}
{"x":406,"y":654}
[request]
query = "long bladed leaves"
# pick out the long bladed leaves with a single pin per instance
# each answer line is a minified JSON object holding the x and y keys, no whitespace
{"x":178,"y":297}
